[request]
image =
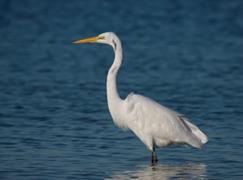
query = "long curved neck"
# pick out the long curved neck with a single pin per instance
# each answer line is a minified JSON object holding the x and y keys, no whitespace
{"x":113,"y":97}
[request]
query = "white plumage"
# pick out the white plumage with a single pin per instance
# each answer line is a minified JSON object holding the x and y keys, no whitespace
{"x":154,"y":124}
{"x":158,"y":125}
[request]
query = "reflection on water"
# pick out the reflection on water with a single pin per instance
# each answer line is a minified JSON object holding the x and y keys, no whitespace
{"x":163,"y":172}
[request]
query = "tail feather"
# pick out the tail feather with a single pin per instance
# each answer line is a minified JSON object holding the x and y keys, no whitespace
{"x":197,"y":132}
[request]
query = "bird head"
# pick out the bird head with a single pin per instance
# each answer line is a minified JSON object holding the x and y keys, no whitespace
{"x":109,"y":38}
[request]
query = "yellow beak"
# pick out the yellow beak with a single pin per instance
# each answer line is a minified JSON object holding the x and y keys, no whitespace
{"x":89,"y":40}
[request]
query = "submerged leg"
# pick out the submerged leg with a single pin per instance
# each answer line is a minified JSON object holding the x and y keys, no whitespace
{"x":154,"y":159}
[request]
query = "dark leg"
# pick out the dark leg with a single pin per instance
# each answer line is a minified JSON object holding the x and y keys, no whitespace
{"x":154,"y":159}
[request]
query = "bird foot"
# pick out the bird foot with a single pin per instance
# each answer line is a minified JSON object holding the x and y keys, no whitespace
{"x":154,"y":159}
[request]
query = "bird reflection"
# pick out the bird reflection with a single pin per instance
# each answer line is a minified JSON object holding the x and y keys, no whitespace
{"x":164,"y":172}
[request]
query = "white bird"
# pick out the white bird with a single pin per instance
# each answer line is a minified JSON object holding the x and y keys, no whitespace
{"x":154,"y":124}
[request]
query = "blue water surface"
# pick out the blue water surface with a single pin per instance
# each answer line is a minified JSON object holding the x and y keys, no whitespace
{"x":54,"y":119}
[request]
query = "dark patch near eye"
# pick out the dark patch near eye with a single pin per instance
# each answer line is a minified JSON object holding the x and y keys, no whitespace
{"x":114,"y":44}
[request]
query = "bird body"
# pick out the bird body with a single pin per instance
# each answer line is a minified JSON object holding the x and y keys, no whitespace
{"x":157,"y":125}
{"x":154,"y":124}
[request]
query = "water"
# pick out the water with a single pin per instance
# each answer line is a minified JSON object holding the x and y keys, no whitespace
{"x":54,"y":120}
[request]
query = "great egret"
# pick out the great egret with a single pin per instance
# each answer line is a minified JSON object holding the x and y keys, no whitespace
{"x":154,"y":124}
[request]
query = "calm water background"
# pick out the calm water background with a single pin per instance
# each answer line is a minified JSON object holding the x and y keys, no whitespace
{"x":54,"y":120}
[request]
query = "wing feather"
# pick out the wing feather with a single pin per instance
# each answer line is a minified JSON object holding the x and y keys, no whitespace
{"x":148,"y":119}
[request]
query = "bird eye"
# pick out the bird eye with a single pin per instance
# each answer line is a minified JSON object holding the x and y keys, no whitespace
{"x":101,"y":37}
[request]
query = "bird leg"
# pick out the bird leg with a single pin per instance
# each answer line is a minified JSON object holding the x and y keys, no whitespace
{"x":154,"y":159}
